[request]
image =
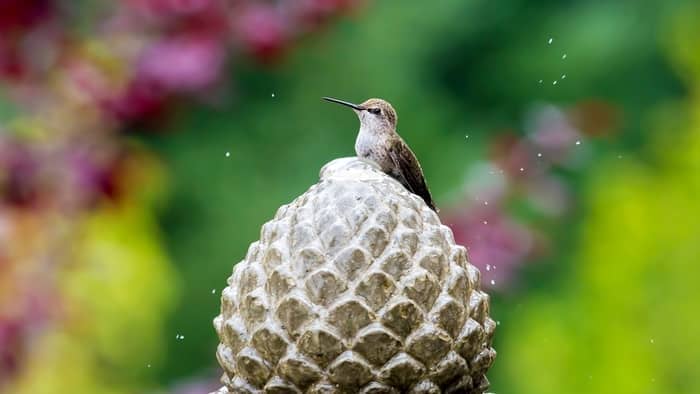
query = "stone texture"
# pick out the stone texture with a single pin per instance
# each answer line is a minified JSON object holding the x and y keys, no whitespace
{"x":377,"y":344}
{"x":355,"y":287}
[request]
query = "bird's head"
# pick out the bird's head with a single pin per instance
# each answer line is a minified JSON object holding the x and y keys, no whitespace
{"x":374,"y":114}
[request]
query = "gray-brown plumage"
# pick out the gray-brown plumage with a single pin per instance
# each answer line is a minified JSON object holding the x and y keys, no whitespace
{"x":378,"y":141}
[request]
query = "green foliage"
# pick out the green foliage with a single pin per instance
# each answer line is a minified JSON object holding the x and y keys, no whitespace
{"x":626,"y":321}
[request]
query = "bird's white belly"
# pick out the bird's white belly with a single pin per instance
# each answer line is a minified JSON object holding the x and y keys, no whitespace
{"x":364,"y":144}
{"x":368,"y":146}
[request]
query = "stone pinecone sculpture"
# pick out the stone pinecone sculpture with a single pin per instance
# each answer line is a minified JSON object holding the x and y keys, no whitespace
{"x":355,"y":287}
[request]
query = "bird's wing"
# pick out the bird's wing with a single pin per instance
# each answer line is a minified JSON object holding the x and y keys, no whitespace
{"x":410,"y":172}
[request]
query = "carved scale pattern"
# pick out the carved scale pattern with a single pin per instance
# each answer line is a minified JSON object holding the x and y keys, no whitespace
{"x":355,"y":286}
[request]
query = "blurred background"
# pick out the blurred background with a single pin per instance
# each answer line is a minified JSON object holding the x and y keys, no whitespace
{"x":144,"y":142}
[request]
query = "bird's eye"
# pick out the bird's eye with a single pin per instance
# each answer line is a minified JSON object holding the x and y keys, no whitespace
{"x":374,"y":111}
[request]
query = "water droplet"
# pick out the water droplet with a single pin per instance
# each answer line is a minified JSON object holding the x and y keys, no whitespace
{"x":486,"y":203}
{"x":498,"y":322}
{"x":488,"y":267}
{"x":213,"y":291}
{"x":522,"y":169}
{"x":486,"y":222}
{"x":540,"y":81}
{"x":273,"y":95}
{"x":149,"y":365}
{"x":466,"y":137}
{"x":651,"y":340}
{"x":550,"y":40}
{"x":563,"y":56}
{"x":493,"y":282}
{"x":578,"y":142}
{"x":619,"y":156}
{"x":563,"y":76}
{"x":228,"y":154}
{"x":539,"y":155}
{"x":554,"y":82}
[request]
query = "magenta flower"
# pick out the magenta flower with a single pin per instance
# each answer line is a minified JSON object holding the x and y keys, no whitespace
{"x":552,"y":134}
{"x":177,"y":17}
{"x":262,"y":30}
{"x":496,"y":243}
{"x":170,"y":7}
{"x":140,"y":100}
{"x":91,"y":176}
{"x":182,"y":64}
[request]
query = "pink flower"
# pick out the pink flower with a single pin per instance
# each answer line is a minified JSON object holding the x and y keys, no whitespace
{"x":517,"y":157}
{"x":262,"y":30}
{"x":141,"y":99}
{"x":209,"y":17}
{"x":496,"y":243}
{"x":91,"y":177}
{"x":165,"y":8}
{"x":552,"y":134}
{"x":182,"y":64}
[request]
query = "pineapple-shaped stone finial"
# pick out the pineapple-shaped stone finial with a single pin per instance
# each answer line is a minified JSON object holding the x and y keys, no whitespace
{"x":353,"y":287}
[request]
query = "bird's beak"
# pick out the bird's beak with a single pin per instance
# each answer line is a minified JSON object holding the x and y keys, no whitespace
{"x":345,"y":103}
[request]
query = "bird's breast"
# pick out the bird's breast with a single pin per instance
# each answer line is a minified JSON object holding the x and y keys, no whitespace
{"x":369,"y":148}
{"x":372,"y":146}
{"x":364,"y":145}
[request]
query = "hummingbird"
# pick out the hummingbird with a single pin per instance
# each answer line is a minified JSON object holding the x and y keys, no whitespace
{"x":379,"y":142}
